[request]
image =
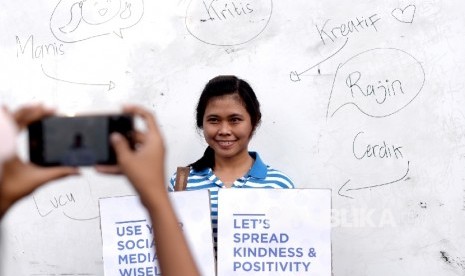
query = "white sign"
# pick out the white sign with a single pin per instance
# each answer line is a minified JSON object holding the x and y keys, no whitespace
{"x":274,"y":232}
{"x":127,"y":234}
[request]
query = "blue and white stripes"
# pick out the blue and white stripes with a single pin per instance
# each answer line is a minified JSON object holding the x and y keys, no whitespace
{"x":259,"y":176}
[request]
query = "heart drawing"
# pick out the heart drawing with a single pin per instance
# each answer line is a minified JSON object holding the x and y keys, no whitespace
{"x":405,"y":15}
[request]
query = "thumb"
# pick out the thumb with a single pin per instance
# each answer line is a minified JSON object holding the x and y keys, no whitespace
{"x":120,"y":144}
{"x":54,"y":173}
{"x":36,"y":177}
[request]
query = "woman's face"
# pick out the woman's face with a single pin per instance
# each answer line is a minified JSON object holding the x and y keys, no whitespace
{"x":227,"y":127}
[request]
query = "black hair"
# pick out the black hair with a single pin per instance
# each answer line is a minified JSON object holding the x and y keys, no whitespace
{"x":221,"y":86}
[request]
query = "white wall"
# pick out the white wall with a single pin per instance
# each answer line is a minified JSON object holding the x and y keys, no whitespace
{"x":397,"y":215}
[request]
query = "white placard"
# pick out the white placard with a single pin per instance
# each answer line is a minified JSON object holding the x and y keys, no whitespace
{"x":274,"y":232}
{"x":128,"y":244}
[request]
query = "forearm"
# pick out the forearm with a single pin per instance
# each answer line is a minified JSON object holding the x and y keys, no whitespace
{"x":145,"y":169}
{"x":173,"y":253}
{"x":4,"y":206}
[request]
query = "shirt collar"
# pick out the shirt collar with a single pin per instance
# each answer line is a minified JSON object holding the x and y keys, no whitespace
{"x":258,"y":169}
{"x":206,"y":171}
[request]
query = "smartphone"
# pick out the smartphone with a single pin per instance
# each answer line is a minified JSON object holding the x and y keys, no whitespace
{"x":77,"y":141}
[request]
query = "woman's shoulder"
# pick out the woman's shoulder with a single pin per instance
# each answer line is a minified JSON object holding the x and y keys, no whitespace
{"x":279,"y":177}
{"x":268,"y":176}
{"x":196,"y":179}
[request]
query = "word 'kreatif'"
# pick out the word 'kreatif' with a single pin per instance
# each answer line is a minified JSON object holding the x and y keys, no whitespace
{"x":377,"y":151}
{"x":38,"y":51}
{"x":216,"y":10}
{"x":345,"y":29}
{"x":380,"y":92}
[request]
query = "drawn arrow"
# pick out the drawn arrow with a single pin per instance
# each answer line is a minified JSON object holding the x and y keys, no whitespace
{"x":110,"y":85}
{"x":346,"y":189}
{"x":295,"y":76}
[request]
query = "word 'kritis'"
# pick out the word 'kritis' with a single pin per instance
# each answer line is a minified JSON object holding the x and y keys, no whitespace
{"x":216,"y":11}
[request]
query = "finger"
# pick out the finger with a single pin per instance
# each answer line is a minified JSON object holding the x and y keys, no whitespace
{"x":108,"y":169}
{"x":44,"y":175}
{"x":28,"y":114}
{"x":145,"y":115}
{"x":121,"y":146}
{"x":139,"y":137}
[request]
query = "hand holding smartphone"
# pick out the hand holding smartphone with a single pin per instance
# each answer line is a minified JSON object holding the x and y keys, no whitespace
{"x":77,"y":141}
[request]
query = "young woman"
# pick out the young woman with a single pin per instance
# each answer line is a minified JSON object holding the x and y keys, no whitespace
{"x":228,"y":112}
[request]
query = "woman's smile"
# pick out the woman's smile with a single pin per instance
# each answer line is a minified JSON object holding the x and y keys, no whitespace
{"x":227,"y":127}
{"x":225,"y":144}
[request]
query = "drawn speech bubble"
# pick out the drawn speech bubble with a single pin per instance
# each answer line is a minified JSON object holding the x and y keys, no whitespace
{"x":227,"y":23}
{"x":379,"y":82}
{"x":74,"y":21}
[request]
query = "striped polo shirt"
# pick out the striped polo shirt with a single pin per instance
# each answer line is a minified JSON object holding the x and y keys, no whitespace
{"x":259,"y":176}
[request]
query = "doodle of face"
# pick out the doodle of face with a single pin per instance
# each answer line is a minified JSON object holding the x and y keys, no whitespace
{"x":96,"y":12}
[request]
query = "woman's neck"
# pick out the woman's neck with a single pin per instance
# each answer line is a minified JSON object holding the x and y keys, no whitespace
{"x":230,"y":169}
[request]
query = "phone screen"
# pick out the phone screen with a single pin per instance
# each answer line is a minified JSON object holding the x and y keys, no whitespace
{"x":76,"y":141}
